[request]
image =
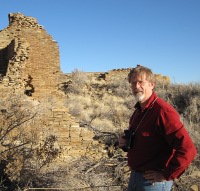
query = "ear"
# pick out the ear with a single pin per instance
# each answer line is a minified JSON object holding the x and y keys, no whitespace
{"x":152,"y":85}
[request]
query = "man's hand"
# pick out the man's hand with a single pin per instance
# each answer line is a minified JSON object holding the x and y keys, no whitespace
{"x":154,"y":176}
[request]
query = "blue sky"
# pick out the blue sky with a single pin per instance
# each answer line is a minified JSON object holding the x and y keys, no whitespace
{"x":101,"y":35}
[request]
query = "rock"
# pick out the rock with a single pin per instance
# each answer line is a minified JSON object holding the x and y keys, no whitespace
{"x":194,"y":187}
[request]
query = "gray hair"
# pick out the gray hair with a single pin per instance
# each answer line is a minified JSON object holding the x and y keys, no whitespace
{"x":141,"y":70}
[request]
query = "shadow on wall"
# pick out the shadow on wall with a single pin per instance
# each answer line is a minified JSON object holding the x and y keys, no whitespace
{"x":3,"y":61}
{"x":29,"y":88}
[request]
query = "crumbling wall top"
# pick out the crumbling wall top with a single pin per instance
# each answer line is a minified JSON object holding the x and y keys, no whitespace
{"x":20,"y":20}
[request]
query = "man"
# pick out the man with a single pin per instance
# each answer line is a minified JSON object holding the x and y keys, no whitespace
{"x":161,"y":148}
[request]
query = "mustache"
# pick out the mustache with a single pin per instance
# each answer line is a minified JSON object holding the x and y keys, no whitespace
{"x":136,"y":92}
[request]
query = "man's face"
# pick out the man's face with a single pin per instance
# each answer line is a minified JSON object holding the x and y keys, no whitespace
{"x":141,"y":88}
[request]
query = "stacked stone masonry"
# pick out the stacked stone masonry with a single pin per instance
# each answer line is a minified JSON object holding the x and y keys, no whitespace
{"x":75,"y":140}
{"x":29,"y":56}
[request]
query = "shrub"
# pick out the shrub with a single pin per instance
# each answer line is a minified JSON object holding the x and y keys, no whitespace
{"x":77,"y":83}
{"x":22,"y":153}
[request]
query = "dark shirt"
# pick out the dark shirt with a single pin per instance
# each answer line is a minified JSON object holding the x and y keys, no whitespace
{"x":161,"y":142}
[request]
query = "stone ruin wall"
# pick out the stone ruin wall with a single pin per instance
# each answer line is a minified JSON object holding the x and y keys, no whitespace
{"x":123,"y":72}
{"x":76,"y":141}
{"x":30,"y":63}
{"x":29,"y":56}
